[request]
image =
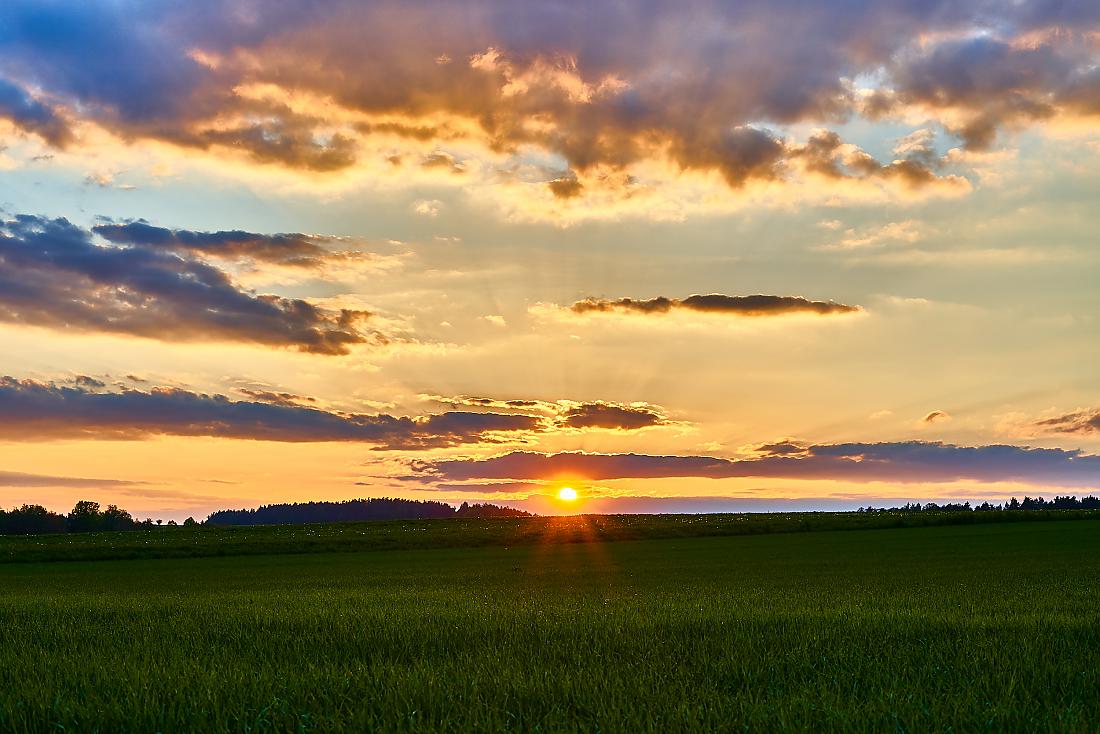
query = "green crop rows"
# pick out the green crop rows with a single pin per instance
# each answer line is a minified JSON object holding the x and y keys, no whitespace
{"x":985,"y":627}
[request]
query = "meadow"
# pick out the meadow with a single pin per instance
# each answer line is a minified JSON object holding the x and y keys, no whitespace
{"x":975,"y":627}
{"x":212,"y":540}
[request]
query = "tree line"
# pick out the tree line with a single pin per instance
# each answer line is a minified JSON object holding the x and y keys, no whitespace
{"x":89,"y":517}
{"x":359,"y":510}
{"x":85,"y":517}
{"x":1060,"y":502}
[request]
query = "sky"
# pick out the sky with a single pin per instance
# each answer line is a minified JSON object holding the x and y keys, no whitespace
{"x":680,"y":256}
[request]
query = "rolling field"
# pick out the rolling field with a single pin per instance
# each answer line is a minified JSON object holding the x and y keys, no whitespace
{"x":989,"y":627}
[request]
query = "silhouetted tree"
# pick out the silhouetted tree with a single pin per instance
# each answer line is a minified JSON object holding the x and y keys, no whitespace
{"x":114,"y":518}
{"x":85,"y":517}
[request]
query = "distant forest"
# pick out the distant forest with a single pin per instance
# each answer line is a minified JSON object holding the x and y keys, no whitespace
{"x":383,"y":508}
{"x":1028,"y":503}
{"x":88,"y":517}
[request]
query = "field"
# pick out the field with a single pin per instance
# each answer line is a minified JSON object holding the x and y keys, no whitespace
{"x":976,"y":627}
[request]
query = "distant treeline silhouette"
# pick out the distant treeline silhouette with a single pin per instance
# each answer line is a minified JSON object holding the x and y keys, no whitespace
{"x":86,"y":517}
{"x":1029,"y":503}
{"x":376,"y":508}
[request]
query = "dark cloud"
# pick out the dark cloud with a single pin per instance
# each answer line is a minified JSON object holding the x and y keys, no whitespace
{"x":1079,"y":422}
{"x":608,"y":84}
{"x":996,"y":82}
{"x":905,"y":462}
{"x":31,"y":410}
{"x":53,"y":274}
{"x":566,"y":188}
{"x":826,"y":153}
{"x":283,"y":249}
{"x":32,"y":116}
{"x":89,"y":382}
{"x":612,"y":416}
{"x":782,"y":448}
{"x":756,"y":305}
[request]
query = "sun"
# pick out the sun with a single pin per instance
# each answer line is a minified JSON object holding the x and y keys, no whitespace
{"x":567,"y":493}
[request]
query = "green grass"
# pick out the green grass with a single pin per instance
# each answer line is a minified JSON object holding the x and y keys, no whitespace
{"x":178,"y":542}
{"x":991,"y":627}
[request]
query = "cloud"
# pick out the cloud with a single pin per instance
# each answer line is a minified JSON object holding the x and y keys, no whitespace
{"x":427,"y":207}
{"x":903,"y":462}
{"x":1084,"y":421}
{"x":32,"y":410}
{"x":992,"y":81}
{"x":31,"y":115}
{"x":612,"y":416}
{"x":296,"y":250}
{"x":566,"y":187}
{"x":571,"y":414}
{"x":756,"y":305}
{"x":53,"y":274}
{"x":908,"y":231}
{"x":22,"y":480}
{"x":592,"y":88}
{"x":278,"y":398}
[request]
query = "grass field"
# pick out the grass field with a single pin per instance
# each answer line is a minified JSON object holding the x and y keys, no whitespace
{"x":205,"y":541}
{"x":990,"y":627}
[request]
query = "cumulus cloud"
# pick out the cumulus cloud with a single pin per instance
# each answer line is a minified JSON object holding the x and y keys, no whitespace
{"x":54,"y":274}
{"x":33,"y":410}
{"x":991,"y":82}
{"x":591,"y":86}
{"x":904,"y":462}
{"x":755,"y":305}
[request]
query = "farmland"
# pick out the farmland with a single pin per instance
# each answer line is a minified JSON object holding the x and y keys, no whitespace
{"x":972,"y":627}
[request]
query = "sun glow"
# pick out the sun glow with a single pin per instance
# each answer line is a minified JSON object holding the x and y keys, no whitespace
{"x":567,"y":493}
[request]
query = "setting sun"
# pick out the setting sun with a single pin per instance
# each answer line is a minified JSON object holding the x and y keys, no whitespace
{"x":567,"y":493}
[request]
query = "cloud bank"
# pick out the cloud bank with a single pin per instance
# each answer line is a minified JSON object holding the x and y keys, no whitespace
{"x":32,"y":410}
{"x":903,"y":462}
{"x":696,"y":86}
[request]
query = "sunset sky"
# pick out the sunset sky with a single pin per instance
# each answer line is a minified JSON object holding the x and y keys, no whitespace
{"x":680,"y":256}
